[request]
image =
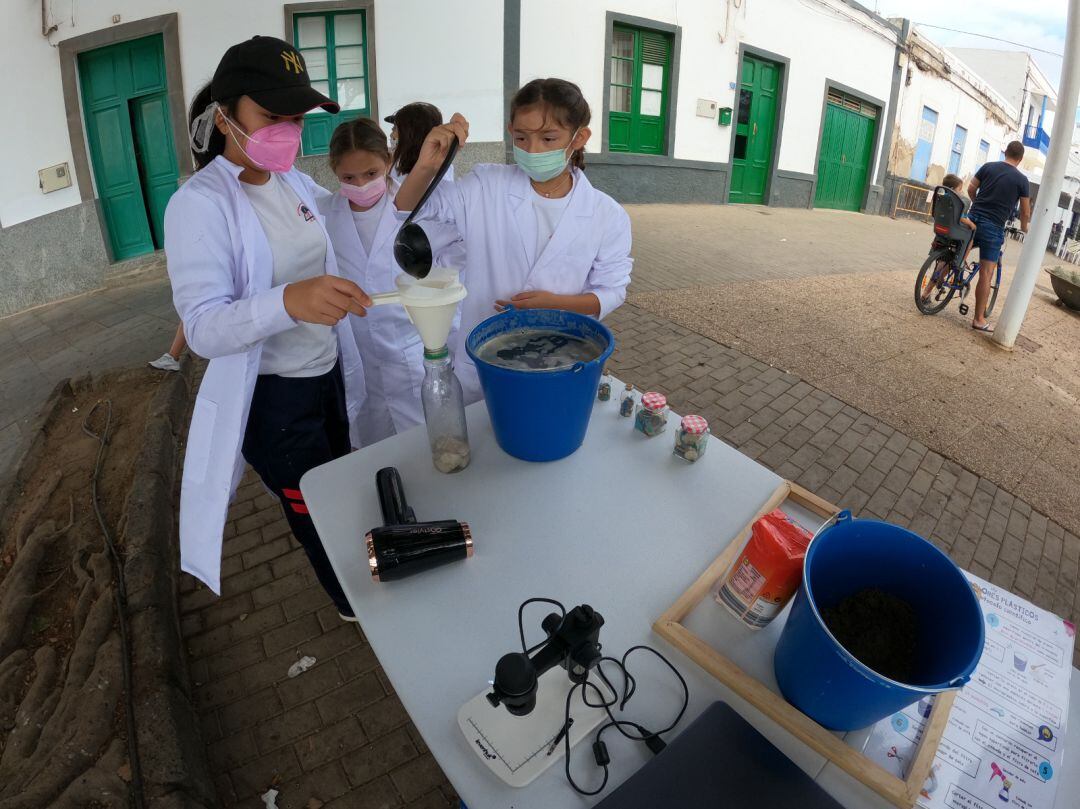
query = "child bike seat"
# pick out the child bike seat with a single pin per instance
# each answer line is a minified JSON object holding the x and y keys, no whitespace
{"x":947,"y":210}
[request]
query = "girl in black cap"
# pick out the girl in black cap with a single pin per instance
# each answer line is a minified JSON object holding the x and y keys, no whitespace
{"x":257,"y":287}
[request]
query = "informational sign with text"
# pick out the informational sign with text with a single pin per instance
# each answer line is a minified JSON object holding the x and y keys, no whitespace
{"x":1003,"y":746}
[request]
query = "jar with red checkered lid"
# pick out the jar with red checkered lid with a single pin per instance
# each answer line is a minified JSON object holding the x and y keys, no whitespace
{"x":692,"y":438}
{"x":652,"y":415}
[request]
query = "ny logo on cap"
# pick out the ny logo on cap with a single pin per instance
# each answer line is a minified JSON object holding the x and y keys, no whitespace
{"x":292,"y":61}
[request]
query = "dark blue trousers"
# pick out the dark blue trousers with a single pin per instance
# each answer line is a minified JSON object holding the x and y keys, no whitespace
{"x":296,"y":424}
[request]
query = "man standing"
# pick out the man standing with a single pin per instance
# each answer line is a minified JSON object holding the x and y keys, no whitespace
{"x":995,"y":189}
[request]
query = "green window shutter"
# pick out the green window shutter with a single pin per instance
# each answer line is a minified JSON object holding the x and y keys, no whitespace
{"x":334,"y":46}
{"x":639,"y":84}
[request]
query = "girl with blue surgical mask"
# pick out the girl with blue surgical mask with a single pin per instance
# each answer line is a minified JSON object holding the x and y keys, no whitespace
{"x":537,"y":234}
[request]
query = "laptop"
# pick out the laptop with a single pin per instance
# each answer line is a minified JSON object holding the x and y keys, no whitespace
{"x":719,"y":761}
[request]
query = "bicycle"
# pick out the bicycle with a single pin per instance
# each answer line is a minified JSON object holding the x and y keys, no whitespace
{"x":945,"y":272}
{"x":949,"y":278}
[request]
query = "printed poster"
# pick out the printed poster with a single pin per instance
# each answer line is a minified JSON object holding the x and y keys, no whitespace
{"x":1003,"y":746}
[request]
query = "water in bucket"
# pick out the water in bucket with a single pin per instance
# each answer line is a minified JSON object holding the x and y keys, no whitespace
{"x":538,"y":350}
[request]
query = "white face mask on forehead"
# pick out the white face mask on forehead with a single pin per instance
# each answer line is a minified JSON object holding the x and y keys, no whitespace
{"x":202,"y":128}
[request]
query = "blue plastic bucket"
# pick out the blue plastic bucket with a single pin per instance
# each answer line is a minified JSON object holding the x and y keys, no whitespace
{"x":821,"y":678}
{"x":540,"y":415}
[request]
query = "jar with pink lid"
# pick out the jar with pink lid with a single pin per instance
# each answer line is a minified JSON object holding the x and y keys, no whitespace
{"x":692,"y":438}
{"x":651,"y":418}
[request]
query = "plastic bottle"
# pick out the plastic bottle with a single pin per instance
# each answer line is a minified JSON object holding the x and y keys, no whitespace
{"x":444,"y":412}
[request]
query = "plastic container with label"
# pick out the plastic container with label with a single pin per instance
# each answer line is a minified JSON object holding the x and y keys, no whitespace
{"x":767,"y":572}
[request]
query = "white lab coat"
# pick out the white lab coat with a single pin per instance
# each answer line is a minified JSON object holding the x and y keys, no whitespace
{"x":492,"y":209}
{"x":390,"y":346}
{"x":221,"y":268}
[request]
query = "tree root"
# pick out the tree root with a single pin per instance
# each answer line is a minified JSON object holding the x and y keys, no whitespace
{"x":98,"y":785}
{"x":12,"y":671}
{"x":32,"y":509}
{"x":34,"y":711}
{"x":16,"y":590}
{"x":72,"y":739}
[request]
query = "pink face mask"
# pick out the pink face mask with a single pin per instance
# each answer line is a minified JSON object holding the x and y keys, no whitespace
{"x":273,"y":147}
{"x":367,"y":194}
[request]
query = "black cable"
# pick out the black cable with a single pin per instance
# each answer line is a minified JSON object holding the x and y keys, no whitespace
{"x":651,"y":738}
{"x":521,"y":620}
{"x":120,"y":592}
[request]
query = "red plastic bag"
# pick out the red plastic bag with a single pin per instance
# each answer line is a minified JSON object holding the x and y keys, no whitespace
{"x":767,"y":572}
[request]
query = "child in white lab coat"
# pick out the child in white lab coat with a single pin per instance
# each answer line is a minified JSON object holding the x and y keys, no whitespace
{"x":256,"y":285}
{"x":362,"y":225}
{"x":537,"y":234}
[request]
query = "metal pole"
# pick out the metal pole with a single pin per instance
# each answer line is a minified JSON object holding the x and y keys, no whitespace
{"x":1034,"y":247}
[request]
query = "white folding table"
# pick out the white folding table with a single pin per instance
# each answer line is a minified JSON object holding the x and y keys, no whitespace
{"x":622,"y":524}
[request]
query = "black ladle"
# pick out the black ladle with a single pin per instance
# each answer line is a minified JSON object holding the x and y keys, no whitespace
{"x":412,"y":250}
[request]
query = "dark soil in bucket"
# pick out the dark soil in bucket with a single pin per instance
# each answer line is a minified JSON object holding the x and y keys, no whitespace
{"x":878,"y":629}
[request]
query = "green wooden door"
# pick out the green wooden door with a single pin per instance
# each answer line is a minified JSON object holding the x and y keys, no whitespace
{"x":126,"y":111}
{"x":847,"y":148}
{"x":155,"y":158}
{"x":755,"y":129}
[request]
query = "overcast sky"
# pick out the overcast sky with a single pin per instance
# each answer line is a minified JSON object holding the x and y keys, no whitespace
{"x":1037,"y":23}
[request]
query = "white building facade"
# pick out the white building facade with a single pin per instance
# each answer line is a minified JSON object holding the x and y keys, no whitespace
{"x":700,"y":101}
{"x":949,"y":119}
{"x":1018,"y":78}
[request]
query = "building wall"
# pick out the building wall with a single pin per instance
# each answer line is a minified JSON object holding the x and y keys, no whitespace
{"x":1003,"y":70}
{"x":1016,"y":76}
{"x":404,"y":73}
{"x":711,"y":36}
{"x":452,"y":54}
{"x":959,"y":99}
{"x":53,"y":245}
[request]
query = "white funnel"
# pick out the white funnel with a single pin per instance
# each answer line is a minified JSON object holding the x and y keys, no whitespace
{"x":430,"y":303}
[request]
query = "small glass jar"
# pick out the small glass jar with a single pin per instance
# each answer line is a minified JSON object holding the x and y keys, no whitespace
{"x":651,"y":417}
{"x":627,"y":402}
{"x":603,"y":393}
{"x":692,"y":438}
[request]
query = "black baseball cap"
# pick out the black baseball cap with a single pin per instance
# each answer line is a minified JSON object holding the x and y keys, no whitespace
{"x":272,"y":73}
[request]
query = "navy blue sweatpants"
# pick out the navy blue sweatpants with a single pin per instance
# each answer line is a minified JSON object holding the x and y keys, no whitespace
{"x":296,"y":424}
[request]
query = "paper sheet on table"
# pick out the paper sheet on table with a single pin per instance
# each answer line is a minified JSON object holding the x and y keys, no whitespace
{"x":1003,"y":746}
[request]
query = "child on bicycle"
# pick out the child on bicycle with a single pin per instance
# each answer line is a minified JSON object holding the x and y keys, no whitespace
{"x":954,"y":184}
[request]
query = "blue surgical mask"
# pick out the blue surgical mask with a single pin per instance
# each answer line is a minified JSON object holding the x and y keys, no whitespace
{"x":542,"y":166}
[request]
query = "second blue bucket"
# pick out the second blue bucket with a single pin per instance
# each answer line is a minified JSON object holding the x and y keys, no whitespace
{"x":540,"y":415}
{"x":826,"y":682}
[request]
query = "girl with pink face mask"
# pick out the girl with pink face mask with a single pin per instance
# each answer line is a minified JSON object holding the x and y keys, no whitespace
{"x":256,"y":283}
{"x":362,"y":225}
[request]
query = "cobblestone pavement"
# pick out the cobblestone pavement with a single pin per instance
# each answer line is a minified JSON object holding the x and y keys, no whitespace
{"x":859,"y":336}
{"x":339,"y":734}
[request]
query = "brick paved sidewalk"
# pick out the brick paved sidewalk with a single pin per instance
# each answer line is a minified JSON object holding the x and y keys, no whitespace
{"x":339,"y":734}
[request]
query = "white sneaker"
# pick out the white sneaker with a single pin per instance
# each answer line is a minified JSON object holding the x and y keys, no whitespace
{"x":166,"y":362}
{"x":350,"y":619}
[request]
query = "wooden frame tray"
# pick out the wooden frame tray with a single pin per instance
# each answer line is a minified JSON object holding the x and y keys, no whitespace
{"x":901,"y":793}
